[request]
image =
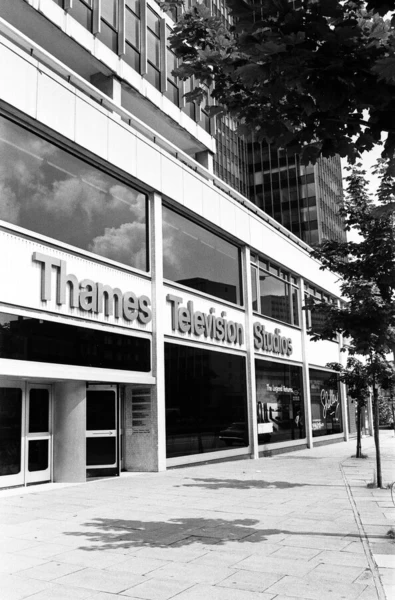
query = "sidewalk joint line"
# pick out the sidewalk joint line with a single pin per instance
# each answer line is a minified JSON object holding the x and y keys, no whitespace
{"x":364,"y":538}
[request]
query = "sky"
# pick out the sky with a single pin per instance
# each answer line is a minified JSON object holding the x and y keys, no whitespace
{"x":368,"y":160}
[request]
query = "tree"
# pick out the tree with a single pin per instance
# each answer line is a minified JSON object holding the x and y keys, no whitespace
{"x":366,"y":318}
{"x":314,"y":76}
{"x":356,"y":377}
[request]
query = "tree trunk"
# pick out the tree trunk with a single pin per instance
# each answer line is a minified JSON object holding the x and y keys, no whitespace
{"x":358,"y":453}
{"x":376,"y":423}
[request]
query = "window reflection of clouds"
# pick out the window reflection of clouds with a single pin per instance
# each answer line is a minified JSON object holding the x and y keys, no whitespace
{"x":49,"y":191}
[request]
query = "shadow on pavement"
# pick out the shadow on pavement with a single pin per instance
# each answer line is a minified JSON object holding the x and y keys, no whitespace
{"x":247,"y":484}
{"x":117,"y":534}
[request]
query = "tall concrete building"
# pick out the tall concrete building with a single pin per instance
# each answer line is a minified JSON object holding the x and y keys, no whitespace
{"x":305,"y":199}
{"x":150,"y":313}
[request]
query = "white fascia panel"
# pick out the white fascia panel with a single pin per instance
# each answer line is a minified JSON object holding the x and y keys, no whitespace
{"x":322,"y":352}
{"x":55,"y":372}
{"x":148,"y":164}
{"x":122,"y":147}
{"x":18,"y":78}
{"x":193,"y":192}
{"x":211,"y":204}
{"x":91,"y":127}
{"x":204,"y":306}
{"x":294,"y":334}
{"x":172,"y":181}
{"x":22,"y":280}
{"x":56,"y":105}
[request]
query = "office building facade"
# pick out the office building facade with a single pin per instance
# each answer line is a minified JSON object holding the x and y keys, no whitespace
{"x":150,"y":315}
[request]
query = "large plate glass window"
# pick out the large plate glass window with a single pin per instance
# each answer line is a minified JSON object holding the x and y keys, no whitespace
{"x":50,"y":191}
{"x":197,"y":258}
{"x":274,"y":291}
{"x":206,"y":401}
{"x":326,"y":411}
{"x":280,"y":402}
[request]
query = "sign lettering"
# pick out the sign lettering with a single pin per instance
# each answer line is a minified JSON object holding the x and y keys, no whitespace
{"x":187,"y":320}
{"x":88,"y":295}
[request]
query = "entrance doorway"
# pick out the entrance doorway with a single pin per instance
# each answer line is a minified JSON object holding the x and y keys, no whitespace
{"x":102,"y":430}
{"x":25,"y":433}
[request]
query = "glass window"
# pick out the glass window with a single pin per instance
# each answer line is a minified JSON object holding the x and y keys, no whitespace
{"x":200,"y":259}
{"x":254,"y":288}
{"x":109,"y":12}
{"x":22,"y":338}
{"x":277,"y":298}
{"x":38,"y":455}
{"x":81,"y":11}
{"x":52,"y":192}
{"x":38,"y":410}
{"x":274,"y":297}
{"x":132,"y":28}
{"x":280,"y":403}
{"x":326,"y":411}
{"x":206,"y":401}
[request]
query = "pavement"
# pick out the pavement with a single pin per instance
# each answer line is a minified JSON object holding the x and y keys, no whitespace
{"x":303,"y":524}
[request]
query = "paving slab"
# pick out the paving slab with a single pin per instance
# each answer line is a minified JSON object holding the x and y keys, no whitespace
{"x":299,"y":525}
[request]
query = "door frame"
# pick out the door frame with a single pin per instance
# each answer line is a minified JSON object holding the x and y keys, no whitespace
{"x":23,"y":478}
{"x":46,"y":475}
{"x":114,"y":387}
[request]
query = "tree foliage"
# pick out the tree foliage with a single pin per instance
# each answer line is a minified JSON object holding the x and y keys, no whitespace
{"x":317,"y":76}
{"x":367,"y":269}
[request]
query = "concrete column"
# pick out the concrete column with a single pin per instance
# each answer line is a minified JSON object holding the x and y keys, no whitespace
{"x":305,"y":371}
{"x":251,"y":378}
{"x":158,"y":343}
{"x":343,"y":393}
{"x":69,"y":439}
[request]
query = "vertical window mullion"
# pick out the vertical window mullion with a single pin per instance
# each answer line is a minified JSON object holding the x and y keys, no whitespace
{"x":96,"y":16}
{"x":68,"y":4}
{"x":143,"y":30}
{"x":181,"y":101}
{"x":163,"y":55}
{"x":121,"y":27}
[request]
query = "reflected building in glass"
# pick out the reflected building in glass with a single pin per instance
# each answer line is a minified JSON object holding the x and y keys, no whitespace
{"x":304,"y":199}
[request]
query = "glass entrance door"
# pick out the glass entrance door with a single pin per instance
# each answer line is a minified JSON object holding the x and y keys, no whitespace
{"x":11,"y":435}
{"x":102,"y":428}
{"x":38,"y":434}
{"x":25,"y":433}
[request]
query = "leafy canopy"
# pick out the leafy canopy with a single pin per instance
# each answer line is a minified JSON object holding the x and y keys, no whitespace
{"x":366,"y":268}
{"x":315,"y":76}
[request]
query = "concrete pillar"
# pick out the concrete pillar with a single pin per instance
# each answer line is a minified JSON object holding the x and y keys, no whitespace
{"x":69,"y":439}
{"x":305,"y":371}
{"x":251,"y":378}
{"x":343,"y":393}
{"x":158,"y":342}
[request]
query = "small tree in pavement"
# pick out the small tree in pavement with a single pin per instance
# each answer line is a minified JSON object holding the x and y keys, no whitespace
{"x":355,"y":376}
{"x":367,"y":270}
